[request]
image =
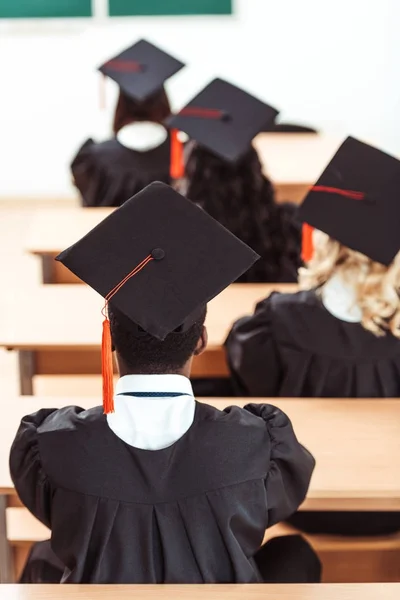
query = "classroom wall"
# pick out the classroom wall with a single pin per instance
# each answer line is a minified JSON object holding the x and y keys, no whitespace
{"x":332,"y":64}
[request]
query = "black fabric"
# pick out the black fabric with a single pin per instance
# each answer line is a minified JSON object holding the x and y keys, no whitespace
{"x":288,"y":559}
{"x":368,"y":225}
{"x":42,"y":565}
{"x":293,"y":347}
{"x":368,"y":523}
{"x":108,"y":173}
{"x":289,"y":128}
{"x":212,"y":386}
{"x":199,"y":259}
{"x":154,"y":66}
{"x":242,"y":117}
{"x":191,"y":513}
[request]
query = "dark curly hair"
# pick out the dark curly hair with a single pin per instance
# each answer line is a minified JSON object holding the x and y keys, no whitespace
{"x":241,"y":198}
{"x":156,"y":108}
{"x":148,"y":355}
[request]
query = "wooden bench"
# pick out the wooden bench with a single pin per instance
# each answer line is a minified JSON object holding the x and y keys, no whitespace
{"x":344,"y":559}
{"x":57,"y":329}
{"x":385,"y":591}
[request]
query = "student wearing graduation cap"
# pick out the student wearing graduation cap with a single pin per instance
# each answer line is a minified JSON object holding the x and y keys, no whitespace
{"x":340,"y":336}
{"x":108,"y":173}
{"x":223,"y":174}
{"x":161,"y":488}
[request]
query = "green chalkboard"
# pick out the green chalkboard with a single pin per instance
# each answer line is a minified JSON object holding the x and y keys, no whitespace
{"x":27,"y":9}
{"x":121,"y":8}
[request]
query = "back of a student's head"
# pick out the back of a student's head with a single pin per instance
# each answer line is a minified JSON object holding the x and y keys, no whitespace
{"x":156,"y":109}
{"x":138,"y":352}
{"x":376,"y":285}
{"x":242,"y":199}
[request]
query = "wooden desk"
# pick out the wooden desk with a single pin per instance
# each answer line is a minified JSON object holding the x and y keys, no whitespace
{"x":57,"y":329}
{"x":356,"y":444}
{"x":292,"y":161}
{"x":350,"y":591}
{"x":53,"y":230}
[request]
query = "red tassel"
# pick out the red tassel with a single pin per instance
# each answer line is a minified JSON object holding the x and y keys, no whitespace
{"x":332,"y":190}
{"x":107,"y":369}
{"x":177,"y":169}
{"x":307,"y":249}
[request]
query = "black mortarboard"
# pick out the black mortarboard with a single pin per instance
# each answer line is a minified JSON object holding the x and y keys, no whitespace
{"x":224,"y":119}
{"x":195,"y":258}
{"x":160,"y":259}
{"x":356,"y":201}
{"x":141,"y":70}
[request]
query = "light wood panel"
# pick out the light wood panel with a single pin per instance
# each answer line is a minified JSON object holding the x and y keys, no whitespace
{"x":295,"y":159}
{"x":53,"y":230}
{"x":381,"y":591}
{"x":356,"y":444}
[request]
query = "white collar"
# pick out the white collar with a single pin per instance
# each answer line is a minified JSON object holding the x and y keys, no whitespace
{"x":339,"y":298}
{"x":178,"y":384}
{"x":152,"y":423}
{"x":142,"y":136}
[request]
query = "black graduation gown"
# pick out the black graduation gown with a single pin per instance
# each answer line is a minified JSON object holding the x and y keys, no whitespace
{"x":191,"y":513}
{"x":108,"y":173}
{"x":292,"y":346}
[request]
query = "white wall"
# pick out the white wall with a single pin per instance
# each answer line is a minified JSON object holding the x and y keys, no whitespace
{"x":330,"y":63}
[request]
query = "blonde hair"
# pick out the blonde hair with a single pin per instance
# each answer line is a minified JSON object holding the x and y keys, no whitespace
{"x":376,"y":286}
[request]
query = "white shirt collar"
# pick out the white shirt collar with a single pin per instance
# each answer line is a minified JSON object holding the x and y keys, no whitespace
{"x":152,"y":423}
{"x":142,"y":136}
{"x":177,"y":384}
{"x":339,"y":298}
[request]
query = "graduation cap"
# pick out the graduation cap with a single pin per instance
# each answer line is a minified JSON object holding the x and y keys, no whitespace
{"x":356,"y":201}
{"x":160,"y":259}
{"x":141,"y":70}
{"x":224,"y":119}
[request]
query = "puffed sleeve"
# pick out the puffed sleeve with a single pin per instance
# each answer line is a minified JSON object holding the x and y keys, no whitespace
{"x":291,"y":465}
{"x":29,"y":478}
{"x":252,"y":354}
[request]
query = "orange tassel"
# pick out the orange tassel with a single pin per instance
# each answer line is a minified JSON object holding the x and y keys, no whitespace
{"x":307,"y":249}
{"x":107,"y":366}
{"x":177,"y":169}
{"x":107,"y":369}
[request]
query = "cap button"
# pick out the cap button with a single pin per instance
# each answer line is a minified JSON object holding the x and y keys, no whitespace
{"x":158,"y":253}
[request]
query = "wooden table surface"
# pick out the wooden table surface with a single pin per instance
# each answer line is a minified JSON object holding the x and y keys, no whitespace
{"x":295,"y":158}
{"x":356,"y":444}
{"x":349,"y":591}
{"x":54,"y":229}
{"x":70,"y":316}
